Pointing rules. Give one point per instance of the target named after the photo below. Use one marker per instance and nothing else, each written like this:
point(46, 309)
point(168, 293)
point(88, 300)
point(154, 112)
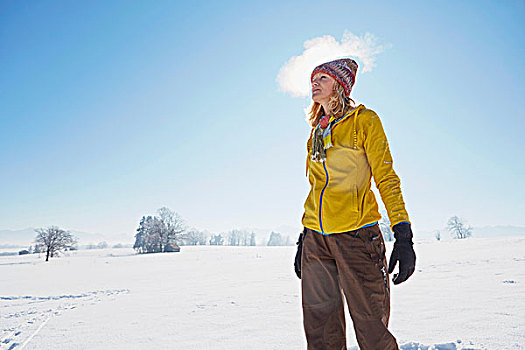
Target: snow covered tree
point(102, 245)
point(437, 234)
point(171, 227)
point(148, 238)
point(194, 237)
point(156, 233)
point(140, 236)
point(244, 237)
point(275, 239)
point(252, 239)
point(234, 237)
point(53, 240)
point(238, 237)
point(38, 249)
point(152, 242)
point(458, 229)
point(216, 240)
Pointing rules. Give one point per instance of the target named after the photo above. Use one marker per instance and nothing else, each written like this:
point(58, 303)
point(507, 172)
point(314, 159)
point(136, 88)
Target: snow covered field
point(465, 294)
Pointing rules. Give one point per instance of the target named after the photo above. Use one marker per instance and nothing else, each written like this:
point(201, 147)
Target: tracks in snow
point(22, 317)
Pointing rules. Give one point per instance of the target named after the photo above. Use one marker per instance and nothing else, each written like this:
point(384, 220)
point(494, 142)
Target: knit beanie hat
point(342, 70)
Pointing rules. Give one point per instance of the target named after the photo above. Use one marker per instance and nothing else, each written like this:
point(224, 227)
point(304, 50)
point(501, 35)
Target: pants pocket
point(374, 243)
point(377, 251)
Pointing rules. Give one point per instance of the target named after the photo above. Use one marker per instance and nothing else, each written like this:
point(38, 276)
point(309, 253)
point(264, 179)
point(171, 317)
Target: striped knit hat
point(342, 70)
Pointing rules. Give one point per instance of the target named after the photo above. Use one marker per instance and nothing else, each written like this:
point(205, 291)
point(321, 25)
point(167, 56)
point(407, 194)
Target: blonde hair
point(338, 104)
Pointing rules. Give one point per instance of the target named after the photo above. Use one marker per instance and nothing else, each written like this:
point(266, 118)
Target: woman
point(341, 248)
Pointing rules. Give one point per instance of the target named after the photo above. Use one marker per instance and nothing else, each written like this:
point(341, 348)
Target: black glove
point(297, 263)
point(402, 252)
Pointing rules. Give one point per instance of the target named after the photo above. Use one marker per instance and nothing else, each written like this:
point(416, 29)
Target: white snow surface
point(465, 294)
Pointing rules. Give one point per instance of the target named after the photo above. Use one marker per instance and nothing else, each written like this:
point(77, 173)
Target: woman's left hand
point(403, 252)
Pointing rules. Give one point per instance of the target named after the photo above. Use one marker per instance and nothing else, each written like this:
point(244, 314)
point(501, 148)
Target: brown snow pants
point(354, 263)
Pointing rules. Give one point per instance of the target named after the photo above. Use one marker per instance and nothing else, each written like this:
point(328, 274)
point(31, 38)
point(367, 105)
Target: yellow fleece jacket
point(340, 197)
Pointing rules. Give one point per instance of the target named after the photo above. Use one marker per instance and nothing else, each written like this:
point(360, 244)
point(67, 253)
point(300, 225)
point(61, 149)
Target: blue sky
point(110, 110)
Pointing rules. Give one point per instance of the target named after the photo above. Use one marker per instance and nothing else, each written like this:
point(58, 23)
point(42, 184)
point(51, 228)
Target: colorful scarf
point(322, 138)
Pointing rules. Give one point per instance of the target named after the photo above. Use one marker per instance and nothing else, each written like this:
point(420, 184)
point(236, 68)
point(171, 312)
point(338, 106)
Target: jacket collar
point(349, 113)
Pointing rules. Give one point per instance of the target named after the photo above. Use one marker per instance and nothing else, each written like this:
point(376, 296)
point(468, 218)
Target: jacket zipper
point(356, 109)
point(321, 198)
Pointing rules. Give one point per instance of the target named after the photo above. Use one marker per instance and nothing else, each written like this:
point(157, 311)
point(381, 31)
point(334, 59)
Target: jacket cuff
point(403, 232)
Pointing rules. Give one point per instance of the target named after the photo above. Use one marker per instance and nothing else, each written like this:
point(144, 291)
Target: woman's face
point(322, 87)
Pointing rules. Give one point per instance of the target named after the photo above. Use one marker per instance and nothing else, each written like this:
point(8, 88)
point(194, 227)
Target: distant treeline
point(166, 232)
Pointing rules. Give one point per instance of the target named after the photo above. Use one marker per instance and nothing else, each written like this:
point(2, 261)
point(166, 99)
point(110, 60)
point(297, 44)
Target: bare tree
point(52, 240)
point(172, 227)
point(244, 235)
point(194, 237)
point(458, 229)
point(384, 226)
point(234, 237)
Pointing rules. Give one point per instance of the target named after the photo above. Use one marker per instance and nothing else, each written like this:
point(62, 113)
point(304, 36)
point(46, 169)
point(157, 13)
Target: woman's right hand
point(298, 255)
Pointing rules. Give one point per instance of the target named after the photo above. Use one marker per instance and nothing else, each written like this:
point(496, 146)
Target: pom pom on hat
point(342, 70)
